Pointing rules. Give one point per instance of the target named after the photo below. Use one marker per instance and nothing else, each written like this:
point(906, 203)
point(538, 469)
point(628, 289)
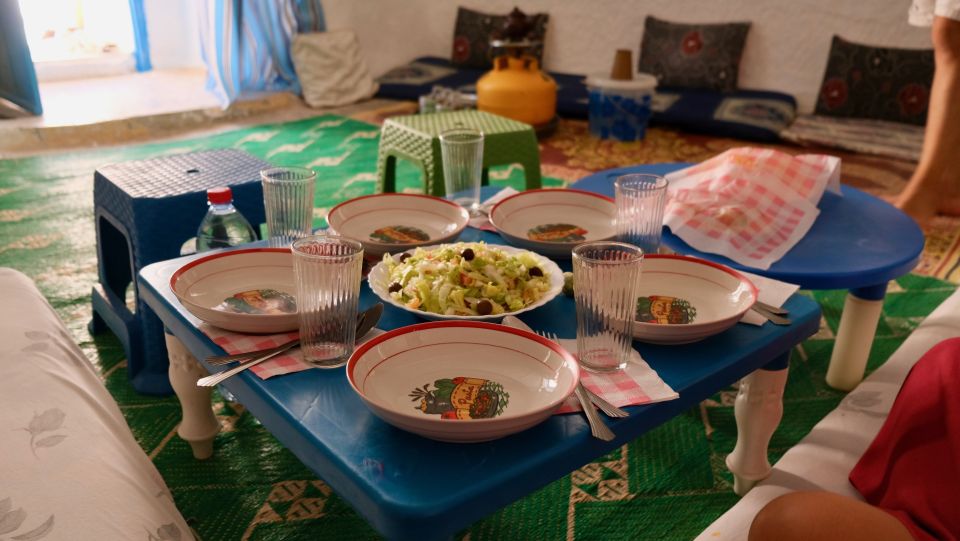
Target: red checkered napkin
point(749, 204)
point(287, 363)
point(637, 384)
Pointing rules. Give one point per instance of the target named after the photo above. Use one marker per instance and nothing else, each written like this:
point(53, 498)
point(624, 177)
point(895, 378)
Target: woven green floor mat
point(668, 484)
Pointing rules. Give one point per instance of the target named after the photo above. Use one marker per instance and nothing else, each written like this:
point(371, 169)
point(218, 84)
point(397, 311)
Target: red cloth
point(912, 468)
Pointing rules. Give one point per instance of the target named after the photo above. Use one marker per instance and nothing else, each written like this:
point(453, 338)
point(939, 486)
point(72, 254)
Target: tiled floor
point(89, 101)
point(141, 107)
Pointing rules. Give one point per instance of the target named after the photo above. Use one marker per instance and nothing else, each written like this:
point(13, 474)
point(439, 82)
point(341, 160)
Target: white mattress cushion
point(823, 459)
point(70, 467)
point(331, 68)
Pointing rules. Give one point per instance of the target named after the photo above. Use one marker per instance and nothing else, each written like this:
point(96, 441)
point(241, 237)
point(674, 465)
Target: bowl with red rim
point(462, 381)
point(394, 222)
point(552, 222)
point(250, 290)
point(685, 299)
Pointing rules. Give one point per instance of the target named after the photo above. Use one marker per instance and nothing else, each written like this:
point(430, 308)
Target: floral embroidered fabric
point(693, 55)
point(876, 82)
point(70, 467)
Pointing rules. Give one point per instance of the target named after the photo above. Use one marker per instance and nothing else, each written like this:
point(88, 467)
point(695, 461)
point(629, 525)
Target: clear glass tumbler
point(606, 280)
point(640, 202)
point(288, 201)
point(327, 271)
point(462, 151)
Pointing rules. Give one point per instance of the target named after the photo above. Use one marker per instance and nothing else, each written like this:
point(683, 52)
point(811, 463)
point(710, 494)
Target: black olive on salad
point(484, 307)
point(394, 287)
point(468, 254)
point(535, 271)
point(404, 257)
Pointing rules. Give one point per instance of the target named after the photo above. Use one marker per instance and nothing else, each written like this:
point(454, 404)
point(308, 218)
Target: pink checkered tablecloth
point(749, 204)
point(637, 384)
point(233, 343)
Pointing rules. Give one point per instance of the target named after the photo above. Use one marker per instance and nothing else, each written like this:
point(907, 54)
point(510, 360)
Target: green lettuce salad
point(466, 279)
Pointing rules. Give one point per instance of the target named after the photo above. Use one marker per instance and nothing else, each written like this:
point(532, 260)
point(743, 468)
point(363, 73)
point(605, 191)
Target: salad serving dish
point(552, 222)
point(394, 222)
point(684, 299)
point(439, 282)
point(462, 381)
point(249, 290)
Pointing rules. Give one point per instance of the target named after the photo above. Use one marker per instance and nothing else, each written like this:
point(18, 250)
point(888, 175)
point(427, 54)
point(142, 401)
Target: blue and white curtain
point(246, 43)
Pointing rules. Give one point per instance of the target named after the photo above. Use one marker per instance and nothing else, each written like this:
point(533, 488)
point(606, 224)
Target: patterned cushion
point(754, 115)
point(693, 55)
point(876, 82)
point(474, 30)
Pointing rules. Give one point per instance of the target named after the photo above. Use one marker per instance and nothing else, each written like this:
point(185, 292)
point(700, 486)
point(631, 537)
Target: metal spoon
point(773, 309)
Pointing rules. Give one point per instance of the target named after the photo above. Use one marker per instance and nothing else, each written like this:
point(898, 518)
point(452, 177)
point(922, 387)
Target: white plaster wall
point(173, 34)
point(786, 49)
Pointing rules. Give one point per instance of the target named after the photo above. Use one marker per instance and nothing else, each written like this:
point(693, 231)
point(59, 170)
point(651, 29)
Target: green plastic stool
point(416, 138)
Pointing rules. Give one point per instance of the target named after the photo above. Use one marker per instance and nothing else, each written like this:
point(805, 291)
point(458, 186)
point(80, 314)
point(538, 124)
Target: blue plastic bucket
point(620, 109)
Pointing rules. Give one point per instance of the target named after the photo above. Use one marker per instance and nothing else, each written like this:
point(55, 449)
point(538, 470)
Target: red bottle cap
point(220, 195)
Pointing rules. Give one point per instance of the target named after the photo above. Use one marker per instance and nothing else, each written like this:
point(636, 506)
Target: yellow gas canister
point(516, 88)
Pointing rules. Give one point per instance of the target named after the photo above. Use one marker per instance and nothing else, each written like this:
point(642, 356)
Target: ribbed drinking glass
point(288, 201)
point(606, 280)
point(640, 202)
point(327, 270)
point(462, 152)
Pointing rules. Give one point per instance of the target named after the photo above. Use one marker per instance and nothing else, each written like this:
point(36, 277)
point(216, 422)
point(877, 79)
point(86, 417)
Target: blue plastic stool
point(145, 210)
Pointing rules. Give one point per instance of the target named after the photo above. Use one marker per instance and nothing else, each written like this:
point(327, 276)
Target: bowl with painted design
point(553, 221)
point(248, 290)
point(685, 299)
point(462, 381)
point(396, 222)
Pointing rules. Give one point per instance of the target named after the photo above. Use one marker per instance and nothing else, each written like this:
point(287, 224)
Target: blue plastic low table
point(858, 242)
point(409, 487)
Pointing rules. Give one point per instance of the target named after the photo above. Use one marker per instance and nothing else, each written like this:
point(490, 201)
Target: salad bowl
point(394, 222)
point(381, 283)
point(462, 381)
point(684, 299)
point(552, 222)
point(249, 290)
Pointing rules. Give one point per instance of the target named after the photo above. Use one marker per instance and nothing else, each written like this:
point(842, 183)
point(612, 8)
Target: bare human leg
point(825, 516)
point(934, 187)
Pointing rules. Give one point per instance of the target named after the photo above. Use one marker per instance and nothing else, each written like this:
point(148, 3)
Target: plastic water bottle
point(223, 225)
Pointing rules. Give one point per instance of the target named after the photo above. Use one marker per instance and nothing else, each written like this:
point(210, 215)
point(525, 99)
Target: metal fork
point(771, 317)
point(214, 379)
point(599, 401)
point(220, 360)
point(773, 309)
point(597, 426)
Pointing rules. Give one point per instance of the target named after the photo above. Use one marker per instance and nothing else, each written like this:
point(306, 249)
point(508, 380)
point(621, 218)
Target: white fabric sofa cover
point(823, 459)
point(69, 465)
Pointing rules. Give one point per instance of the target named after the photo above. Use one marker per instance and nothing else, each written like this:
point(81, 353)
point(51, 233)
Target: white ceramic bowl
point(462, 381)
point(394, 222)
point(690, 299)
point(552, 222)
point(378, 279)
point(258, 280)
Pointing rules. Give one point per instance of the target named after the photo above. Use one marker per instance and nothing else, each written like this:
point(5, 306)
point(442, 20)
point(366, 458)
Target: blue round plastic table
point(858, 242)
